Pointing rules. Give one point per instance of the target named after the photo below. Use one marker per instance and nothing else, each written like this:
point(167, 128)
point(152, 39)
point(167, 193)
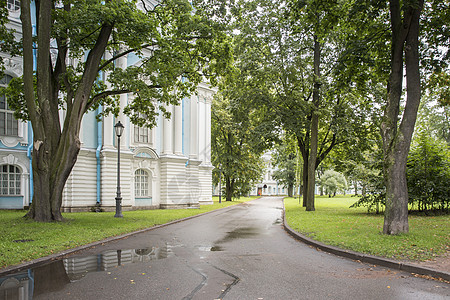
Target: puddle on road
point(54, 276)
point(210, 248)
point(240, 233)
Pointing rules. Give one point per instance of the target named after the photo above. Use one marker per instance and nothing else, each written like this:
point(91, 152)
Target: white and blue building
point(163, 167)
point(268, 186)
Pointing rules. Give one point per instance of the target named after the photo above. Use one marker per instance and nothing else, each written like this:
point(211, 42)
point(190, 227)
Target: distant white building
point(268, 186)
point(166, 166)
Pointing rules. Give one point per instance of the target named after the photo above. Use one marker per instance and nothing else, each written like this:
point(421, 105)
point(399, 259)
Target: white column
point(202, 130)
point(208, 132)
point(108, 122)
point(168, 133)
point(193, 143)
point(178, 134)
point(124, 138)
point(108, 132)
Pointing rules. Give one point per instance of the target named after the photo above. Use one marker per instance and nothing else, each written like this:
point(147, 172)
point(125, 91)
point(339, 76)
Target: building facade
point(268, 186)
point(163, 167)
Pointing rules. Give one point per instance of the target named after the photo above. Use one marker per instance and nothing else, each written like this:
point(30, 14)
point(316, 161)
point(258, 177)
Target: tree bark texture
point(397, 138)
point(291, 191)
point(229, 187)
point(314, 130)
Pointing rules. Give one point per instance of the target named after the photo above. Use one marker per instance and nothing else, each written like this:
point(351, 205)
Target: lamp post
point(119, 130)
point(220, 183)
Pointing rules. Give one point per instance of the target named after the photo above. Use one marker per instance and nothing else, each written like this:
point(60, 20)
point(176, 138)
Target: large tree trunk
point(397, 139)
point(305, 180)
point(50, 176)
point(229, 187)
point(290, 191)
point(312, 160)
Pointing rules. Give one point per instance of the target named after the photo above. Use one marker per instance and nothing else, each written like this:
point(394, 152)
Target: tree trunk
point(305, 181)
point(290, 191)
point(229, 188)
point(397, 139)
point(50, 176)
point(314, 130)
point(54, 150)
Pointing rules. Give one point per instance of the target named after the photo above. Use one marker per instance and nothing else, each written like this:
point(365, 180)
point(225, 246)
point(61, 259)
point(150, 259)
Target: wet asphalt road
point(237, 253)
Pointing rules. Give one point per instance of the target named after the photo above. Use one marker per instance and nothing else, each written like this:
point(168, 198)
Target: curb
point(46, 259)
point(365, 258)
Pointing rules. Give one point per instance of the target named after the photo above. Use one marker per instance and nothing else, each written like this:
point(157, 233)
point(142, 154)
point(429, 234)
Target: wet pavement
point(237, 253)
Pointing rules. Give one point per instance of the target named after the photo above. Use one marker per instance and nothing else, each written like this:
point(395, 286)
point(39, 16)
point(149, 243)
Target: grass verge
point(334, 223)
point(23, 240)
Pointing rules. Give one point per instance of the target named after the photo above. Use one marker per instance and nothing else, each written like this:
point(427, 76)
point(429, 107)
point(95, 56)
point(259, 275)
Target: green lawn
point(23, 240)
point(334, 223)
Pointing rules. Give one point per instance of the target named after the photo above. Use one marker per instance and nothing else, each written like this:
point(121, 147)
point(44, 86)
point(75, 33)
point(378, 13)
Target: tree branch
point(106, 63)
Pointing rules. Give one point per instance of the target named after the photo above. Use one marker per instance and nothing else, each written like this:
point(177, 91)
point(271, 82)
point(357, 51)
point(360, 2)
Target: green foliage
point(434, 114)
point(439, 84)
point(375, 201)
point(284, 157)
point(8, 42)
point(335, 224)
point(237, 142)
point(428, 173)
point(368, 173)
point(333, 182)
point(176, 47)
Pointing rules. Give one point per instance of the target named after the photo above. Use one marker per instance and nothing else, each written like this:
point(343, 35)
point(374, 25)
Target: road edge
point(365, 258)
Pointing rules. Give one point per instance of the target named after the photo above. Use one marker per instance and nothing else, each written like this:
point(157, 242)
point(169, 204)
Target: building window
point(141, 134)
point(10, 178)
point(8, 124)
point(141, 183)
point(13, 5)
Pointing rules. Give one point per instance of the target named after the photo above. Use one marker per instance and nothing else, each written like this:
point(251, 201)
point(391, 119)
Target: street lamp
point(119, 130)
point(220, 183)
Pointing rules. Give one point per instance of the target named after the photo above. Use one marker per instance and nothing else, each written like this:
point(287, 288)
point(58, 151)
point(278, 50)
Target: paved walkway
point(241, 252)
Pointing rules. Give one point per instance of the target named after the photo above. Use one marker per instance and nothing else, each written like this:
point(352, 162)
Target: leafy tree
point(75, 42)
point(413, 44)
point(285, 159)
point(236, 138)
point(284, 57)
point(434, 116)
point(333, 182)
point(396, 132)
point(428, 173)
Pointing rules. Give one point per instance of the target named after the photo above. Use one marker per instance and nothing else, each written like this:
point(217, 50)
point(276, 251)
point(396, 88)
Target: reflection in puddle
point(240, 233)
point(78, 267)
point(209, 248)
point(54, 276)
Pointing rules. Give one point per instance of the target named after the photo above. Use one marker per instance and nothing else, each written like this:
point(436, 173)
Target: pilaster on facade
point(205, 180)
point(194, 189)
point(109, 179)
point(193, 132)
point(173, 181)
point(79, 192)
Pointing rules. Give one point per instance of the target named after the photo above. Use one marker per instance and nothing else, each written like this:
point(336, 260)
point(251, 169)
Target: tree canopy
point(80, 48)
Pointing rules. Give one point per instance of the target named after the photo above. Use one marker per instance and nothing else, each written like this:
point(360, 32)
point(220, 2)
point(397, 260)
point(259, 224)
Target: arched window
point(141, 185)
point(8, 124)
point(10, 179)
